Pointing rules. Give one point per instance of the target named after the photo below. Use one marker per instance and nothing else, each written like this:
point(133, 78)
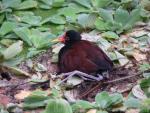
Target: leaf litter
point(128, 51)
point(43, 66)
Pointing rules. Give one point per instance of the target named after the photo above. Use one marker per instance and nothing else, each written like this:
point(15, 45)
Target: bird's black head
point(70, 37)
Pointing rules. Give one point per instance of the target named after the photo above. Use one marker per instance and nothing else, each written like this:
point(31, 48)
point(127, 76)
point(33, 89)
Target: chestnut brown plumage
point(81, 55)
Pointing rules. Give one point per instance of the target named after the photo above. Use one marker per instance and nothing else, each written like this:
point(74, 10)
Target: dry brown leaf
point(138, 33)
point(22, 95)
point(92, 111)
point(4, 100)
point(138, 55)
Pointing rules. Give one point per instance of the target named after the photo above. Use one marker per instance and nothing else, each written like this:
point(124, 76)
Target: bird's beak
point(59, 39)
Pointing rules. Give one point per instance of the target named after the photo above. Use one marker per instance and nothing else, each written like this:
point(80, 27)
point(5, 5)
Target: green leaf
point(58, 3)
point(144, 67)
point(106, 15)
point(13, 50)
point(48, 2)
point(116, 98)
point(7, 27)
point(132, 103)
point(110, 35)
point(85, 3)
point(36, 99)
point(7, 42)
point(27, 4)
point(24, 34)
point(101, 3)
point(58, 106)
point(101, 25)
point(11, 3)
point(33, 52)
point(14, 62)
point(134, 17)
point(145, 106)
point(40, 93)
point(87, 20)
point(69, 13)
point(54, 19)
point(145, 85)
point(81, 104)
point(103, 100)
point(31, 19)
point(121, 16)
point(1, 18)
point(57, 20)
point(41, 39)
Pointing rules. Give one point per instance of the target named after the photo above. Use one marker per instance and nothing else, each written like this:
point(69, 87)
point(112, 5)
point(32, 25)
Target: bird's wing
point(100, 58)
point(78, 62)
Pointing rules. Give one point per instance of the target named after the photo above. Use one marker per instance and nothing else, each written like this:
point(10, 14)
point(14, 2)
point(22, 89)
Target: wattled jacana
point(81, 55)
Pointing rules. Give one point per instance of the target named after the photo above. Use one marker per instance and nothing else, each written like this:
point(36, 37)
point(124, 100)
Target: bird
point(81, 55)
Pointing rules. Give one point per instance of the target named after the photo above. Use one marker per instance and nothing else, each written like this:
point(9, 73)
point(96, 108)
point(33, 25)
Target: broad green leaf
point(24, 33)
point(121, 16)
point(54, 19)
point(58, 106)
point(106, 15)
point(134, 17)
point(31, 19)
point(45, 13)
point(144, 67)
point(48, 2)
point(33, 52)
point(11, 36)
point(13, 50)
point(40, 39)
point(7, 42)
point(103, 100)
point(110, 35)
point(44, 6)
point(11, 3)
point(27, 4)
point(34, 101)
point(81, 104)
point(85, 3)
point(78, 8)
point(145, 106)
point(69, 13)
point(101, 25)
point(7, 27)
point(101, 3)
point(58, 3)
point(40, 93)
point(1, 18)
point(14, 62)
point(57, 20)
point(87, 20)
point(126, 1)
point(145, 85)
point(116, 98)
point(132, 103)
